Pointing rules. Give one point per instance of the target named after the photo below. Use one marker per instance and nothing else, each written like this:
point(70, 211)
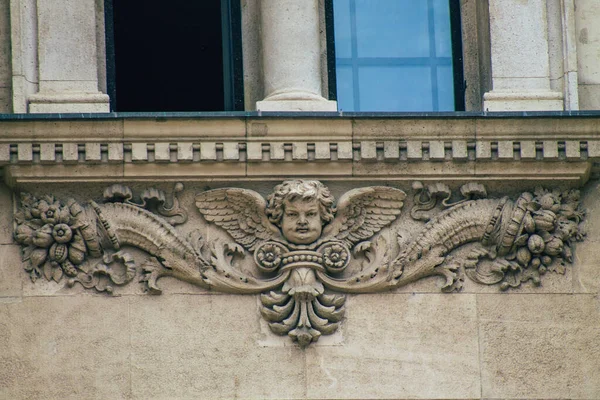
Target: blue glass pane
point(443, 37)
point(445, 89)
point(343, 31)
point(395, 89)
point(345, 88)
point(394, 55)
point(392, 28)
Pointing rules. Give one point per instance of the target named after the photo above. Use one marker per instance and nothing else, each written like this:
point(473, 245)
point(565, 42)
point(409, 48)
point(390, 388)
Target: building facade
point(271, 244)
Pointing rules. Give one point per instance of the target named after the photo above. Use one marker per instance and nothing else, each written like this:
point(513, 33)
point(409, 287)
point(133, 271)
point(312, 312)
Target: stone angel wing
point(241, 213)
point(363, 212)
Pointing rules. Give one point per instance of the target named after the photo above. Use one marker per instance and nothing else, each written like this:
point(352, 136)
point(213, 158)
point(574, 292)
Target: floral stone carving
point(307, 251)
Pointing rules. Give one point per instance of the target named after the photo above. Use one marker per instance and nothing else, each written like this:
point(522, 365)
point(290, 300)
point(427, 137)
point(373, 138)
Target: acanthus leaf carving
point(307, 252)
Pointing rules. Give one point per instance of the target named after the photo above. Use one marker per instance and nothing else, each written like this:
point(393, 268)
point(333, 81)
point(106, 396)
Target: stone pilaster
point(67, 61)
point(520, 58)
point(291, 57)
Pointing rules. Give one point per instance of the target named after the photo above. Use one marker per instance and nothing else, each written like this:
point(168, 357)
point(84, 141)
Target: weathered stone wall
point(587, 13)
point(5, 59)
point(414, 342)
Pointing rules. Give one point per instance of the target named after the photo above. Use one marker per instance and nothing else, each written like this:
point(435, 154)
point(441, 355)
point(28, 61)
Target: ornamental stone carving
point(307, 250)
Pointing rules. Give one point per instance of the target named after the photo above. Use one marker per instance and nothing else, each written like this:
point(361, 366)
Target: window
point(175, 55)
point(397, 55)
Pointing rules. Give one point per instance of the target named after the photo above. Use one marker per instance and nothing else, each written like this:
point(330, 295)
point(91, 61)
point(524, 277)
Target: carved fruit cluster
point(56, 237)
point(549, 227)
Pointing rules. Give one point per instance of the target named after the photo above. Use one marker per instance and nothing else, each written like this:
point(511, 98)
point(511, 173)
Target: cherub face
point(301, 221)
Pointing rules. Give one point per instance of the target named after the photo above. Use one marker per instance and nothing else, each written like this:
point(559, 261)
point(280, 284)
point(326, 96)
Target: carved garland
point(302, 244)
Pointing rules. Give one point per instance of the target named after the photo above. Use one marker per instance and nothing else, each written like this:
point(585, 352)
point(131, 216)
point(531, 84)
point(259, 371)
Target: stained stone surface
point(586, 277)
point(539, 346)
point(65, 348)
point(6, 225)
point(189, 347)
point(192, 342)
point(10, 271)
point(400, 346)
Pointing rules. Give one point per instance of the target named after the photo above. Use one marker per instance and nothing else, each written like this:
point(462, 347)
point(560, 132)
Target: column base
point(78, 102)
point(523, 101)
point(297, 105)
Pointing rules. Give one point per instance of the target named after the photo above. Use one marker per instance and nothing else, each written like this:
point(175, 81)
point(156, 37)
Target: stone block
point(459, 150)
point(177, 129)
point(277, 151)
point(205, 346)
point(70, 152)
point(297, 105)
point(483, 150)
point(344, 151)
point(10, 271)
point(6, 216)
point(572, 150)
point(231, 151)
point(530, 58)
point(185, 151)
point(589, 97)
point(587, 13)
point(505, 150)
point(4, 152)
point(115, 152)
point(25, 152)
point(47, 152)
point(400, 346)
point(254, 151)
point(539, 346)
point(299, 129)
point(528, 151)
point(436, 150)
point(139, 151)
point(93, 151)
point(299, 151)
point(418, 128)
point(391, 150)
point(208, 151)
point(368, 150)
point(65, 348)
point(322, 151)
point(414, 150)
point(67, 54)
point(586, 277)
point(550, 149)
point(162, 152)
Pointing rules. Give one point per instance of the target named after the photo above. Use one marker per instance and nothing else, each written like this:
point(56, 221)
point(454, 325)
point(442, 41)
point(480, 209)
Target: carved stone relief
point(308, 251)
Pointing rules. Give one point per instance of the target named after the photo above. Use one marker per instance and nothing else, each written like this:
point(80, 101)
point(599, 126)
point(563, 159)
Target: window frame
point(233, 76)
point(457, 53)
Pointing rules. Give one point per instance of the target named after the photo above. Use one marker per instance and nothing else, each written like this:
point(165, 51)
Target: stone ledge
point(399, 148)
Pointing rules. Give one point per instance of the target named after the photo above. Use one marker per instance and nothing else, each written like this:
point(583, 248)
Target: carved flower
point(269, 256)
point(335, 257)
point(53, 213)
point(56, 245)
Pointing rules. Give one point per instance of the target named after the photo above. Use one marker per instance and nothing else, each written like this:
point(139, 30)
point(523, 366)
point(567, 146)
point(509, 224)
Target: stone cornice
point(458, 147)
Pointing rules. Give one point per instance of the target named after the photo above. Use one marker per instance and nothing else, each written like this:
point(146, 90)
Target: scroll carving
point(307, 251)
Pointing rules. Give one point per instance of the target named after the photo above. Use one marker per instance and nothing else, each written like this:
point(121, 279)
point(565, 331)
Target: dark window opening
point(395, 55)
point(175, 55)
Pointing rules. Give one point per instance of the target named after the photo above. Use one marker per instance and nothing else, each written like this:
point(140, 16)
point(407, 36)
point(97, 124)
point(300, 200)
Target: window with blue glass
point(397, 55)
